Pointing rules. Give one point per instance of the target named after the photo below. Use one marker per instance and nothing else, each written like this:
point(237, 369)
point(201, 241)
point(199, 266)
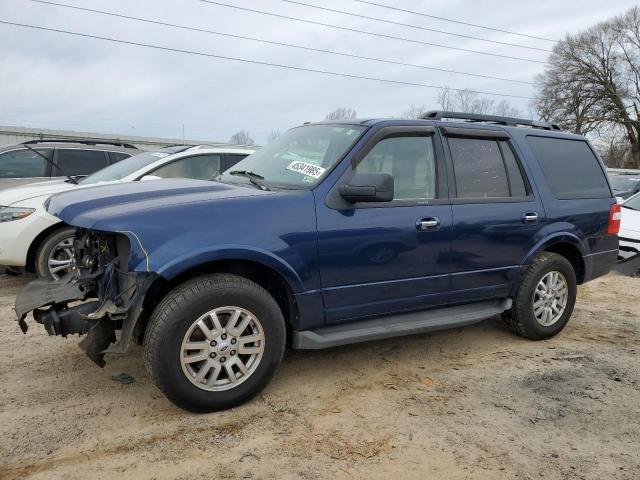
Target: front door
point(380, 258)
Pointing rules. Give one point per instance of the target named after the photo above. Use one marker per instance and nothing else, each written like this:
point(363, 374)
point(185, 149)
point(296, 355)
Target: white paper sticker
point(305, 168)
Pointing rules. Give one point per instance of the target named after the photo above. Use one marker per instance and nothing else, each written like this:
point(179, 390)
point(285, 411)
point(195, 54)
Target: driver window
point(201, 167)
point(411, 162)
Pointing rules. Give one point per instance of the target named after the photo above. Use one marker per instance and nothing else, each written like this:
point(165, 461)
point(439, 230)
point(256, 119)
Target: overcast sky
point(52, 80)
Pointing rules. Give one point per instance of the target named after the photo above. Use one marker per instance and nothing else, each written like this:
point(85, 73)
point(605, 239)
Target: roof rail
point(80, 140)
point(474, 117)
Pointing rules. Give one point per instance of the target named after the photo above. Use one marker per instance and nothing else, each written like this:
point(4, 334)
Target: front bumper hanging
point(111, 301)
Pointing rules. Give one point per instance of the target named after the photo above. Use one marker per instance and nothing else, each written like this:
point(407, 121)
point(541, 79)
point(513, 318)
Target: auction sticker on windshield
point(305, 168)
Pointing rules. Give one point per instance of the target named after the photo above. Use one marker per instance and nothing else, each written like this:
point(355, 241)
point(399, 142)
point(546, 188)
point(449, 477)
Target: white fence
point(11, 135)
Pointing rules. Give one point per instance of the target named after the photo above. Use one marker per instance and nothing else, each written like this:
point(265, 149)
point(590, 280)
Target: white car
point(32, 239)
point(630, 227)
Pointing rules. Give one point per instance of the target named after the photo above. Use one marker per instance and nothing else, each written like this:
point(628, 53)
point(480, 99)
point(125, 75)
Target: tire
point(45, 249)
point(174, 324)
point(522, 319)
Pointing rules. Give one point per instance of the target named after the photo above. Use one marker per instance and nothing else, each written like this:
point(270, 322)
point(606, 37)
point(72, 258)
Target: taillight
point(615, 215)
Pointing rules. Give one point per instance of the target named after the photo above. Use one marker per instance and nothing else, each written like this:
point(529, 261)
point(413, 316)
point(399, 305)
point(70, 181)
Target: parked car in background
point(463, 217)
point(39, 242)
point(38, 160)
point(625, 183)
point(630, 227)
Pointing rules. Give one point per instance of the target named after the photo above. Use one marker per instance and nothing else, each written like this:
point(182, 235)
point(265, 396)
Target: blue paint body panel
point(343, 264)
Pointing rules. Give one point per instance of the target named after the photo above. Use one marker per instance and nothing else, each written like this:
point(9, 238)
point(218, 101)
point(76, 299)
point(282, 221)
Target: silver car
point(39, 160)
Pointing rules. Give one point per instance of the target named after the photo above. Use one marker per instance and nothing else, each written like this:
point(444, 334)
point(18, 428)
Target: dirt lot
point(468, 403)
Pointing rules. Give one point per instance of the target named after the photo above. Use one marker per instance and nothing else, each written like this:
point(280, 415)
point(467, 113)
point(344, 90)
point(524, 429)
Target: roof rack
point(82, 141)
point(474, 117)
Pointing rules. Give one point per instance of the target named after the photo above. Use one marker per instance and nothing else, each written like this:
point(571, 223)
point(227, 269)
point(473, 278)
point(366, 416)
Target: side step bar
point(398, 325)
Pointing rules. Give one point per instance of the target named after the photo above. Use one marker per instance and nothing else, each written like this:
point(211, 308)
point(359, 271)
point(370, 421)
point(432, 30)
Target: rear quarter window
point(570, 168)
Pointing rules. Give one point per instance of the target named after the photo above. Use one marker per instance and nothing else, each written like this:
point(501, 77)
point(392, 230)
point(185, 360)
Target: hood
point(33, 190)
point(106, 207)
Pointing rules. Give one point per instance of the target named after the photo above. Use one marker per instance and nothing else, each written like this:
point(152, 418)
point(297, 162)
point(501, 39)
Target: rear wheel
point(214, 342)
point(545, 299)
point(54, 256)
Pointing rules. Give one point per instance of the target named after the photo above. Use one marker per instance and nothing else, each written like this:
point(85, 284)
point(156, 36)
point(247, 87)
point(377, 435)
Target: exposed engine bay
point(111, 296)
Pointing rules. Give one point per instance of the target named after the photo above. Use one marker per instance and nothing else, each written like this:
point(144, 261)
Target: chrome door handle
point(531, 217)
point(429, 223)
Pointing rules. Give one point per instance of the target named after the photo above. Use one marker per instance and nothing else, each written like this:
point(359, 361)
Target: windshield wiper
point(253, 177)
point(51, 162)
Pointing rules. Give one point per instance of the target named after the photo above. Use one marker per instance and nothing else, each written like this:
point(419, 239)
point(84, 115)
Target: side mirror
point(150, 177)
point(368, 187)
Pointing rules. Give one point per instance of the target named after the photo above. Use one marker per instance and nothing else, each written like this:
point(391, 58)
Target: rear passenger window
point(485, 168)
point(233, 158)
point(570, 168)
point(516, 180)
point(118, 156)
point(80, 162)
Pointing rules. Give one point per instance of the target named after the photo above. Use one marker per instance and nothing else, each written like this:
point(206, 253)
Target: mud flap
point(629, 267)
point(98, 338)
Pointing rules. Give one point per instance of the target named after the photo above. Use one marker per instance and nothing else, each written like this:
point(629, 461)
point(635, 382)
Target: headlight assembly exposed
point(9, 214)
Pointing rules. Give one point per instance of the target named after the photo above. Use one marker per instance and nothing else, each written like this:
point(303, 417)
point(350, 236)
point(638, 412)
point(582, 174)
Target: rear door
point(380, 258)
point(496, 215)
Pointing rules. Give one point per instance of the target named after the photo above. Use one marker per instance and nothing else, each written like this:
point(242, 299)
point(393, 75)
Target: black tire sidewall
point(166, 351)
point(526, 296)
point(43, 251)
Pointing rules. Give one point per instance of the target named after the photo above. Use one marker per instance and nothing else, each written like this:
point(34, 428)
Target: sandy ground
point(473, 403)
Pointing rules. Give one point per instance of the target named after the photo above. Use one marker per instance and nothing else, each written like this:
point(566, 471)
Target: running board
point(398, 325)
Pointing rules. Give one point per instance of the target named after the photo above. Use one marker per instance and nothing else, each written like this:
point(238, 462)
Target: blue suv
point(334, 233)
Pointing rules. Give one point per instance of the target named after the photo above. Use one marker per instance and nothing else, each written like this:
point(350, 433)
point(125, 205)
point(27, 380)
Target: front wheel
point(545, 299)
point(214, 342)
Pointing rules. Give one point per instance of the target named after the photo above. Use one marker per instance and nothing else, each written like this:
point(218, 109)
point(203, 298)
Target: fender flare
point(559, 237)
point(233, 252)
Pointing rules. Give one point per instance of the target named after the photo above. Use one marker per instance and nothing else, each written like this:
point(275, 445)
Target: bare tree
point(593, 80)
point(341, 113)
point(505, 109)
point(467, 101)
point(414, 111)
point(273, 135)
point(613, 145)
point(445, 99)
point(241, 138)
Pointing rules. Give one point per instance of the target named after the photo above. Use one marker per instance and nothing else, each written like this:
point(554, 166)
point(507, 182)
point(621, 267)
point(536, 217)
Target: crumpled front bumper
point(116, 307)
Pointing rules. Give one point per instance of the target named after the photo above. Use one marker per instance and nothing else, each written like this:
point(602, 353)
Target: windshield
point(128, 166)
point(633, 203)
point(297, 159)
point(624, 183)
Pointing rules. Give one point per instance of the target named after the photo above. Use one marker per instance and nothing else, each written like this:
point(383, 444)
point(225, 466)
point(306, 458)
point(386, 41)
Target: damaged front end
point(112, 296)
